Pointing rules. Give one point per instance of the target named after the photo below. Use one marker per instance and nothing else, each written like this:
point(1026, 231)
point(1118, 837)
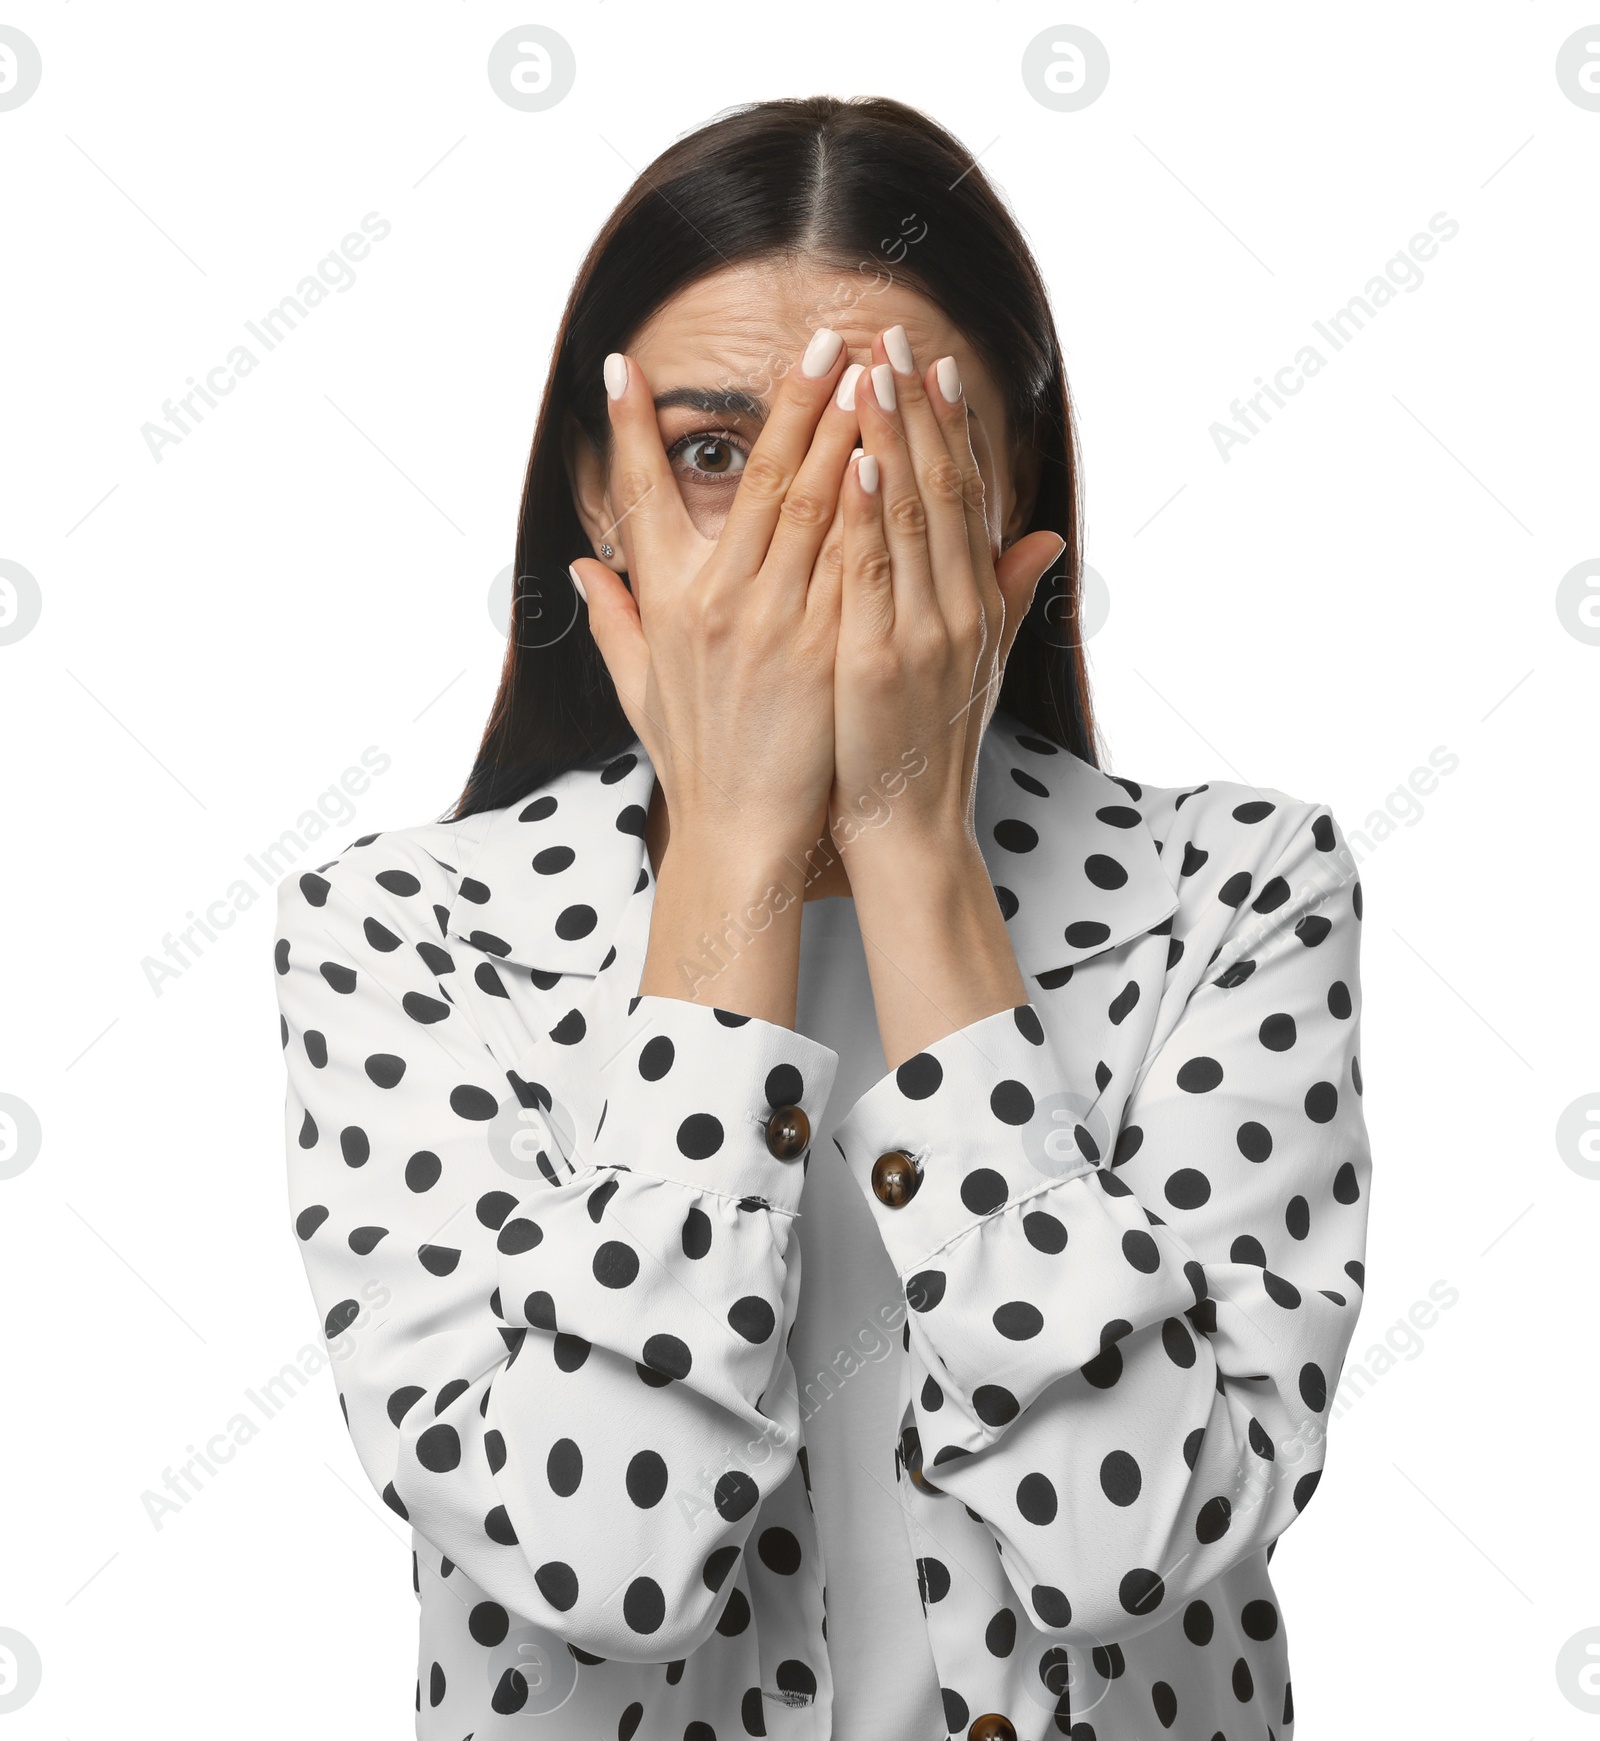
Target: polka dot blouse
point(552, 1248)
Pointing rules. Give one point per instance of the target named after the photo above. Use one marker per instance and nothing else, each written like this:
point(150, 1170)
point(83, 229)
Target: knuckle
point(945, 481)
point(874, 566)
point(907, 514)
point(633, 485)
point(764, 477)
point(804, 507)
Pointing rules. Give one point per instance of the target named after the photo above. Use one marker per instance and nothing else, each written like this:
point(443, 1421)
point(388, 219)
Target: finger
point(779, 452)
point(867, 596)
point(1018, 574)
point(902, 513)
point(613, 614)
point(652, 522)
point(947, 397)
point(808, 515)
point(941, 483)
point(827, 571)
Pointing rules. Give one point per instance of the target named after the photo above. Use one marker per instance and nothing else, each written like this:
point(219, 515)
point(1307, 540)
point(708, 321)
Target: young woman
point(787, 847)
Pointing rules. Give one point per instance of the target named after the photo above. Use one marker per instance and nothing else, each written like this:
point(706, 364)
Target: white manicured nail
point(616, 374)
point(949, 379)
point(572, 570)
point(845, 398)
point(898, 346)
point(856, 452)
point(883, 385)
point(821, 353)
point(867, 471)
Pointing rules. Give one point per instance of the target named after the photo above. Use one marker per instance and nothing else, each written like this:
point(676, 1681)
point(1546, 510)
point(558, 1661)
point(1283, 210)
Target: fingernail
point(949, 379)
point(867, 471)
point(898, 346)
point(821, 353)
point(883, 385)
point(573, 571)
point(616, 374)
point(845, 398)
point(856, 452)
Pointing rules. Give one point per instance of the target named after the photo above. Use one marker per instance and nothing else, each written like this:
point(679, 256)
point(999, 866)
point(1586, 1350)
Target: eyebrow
point(723, 402)
point(727, 403)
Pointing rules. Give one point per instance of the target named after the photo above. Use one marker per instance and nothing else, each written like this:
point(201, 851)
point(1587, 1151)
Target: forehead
point(744, 325)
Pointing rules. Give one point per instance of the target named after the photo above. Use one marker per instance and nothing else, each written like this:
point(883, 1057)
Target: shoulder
point(1245, 846)
point(410, 876)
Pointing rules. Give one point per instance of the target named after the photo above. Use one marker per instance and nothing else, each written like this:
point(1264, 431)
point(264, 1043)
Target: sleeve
point(1132, 1400)
point(576, 1388)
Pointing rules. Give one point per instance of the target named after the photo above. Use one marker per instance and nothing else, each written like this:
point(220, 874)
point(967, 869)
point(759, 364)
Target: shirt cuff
point(987, 1119)
point(689, 1093)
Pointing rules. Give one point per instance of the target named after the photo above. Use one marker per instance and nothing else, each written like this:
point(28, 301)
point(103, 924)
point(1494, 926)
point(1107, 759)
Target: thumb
point(1018, 573)
point(614, 622)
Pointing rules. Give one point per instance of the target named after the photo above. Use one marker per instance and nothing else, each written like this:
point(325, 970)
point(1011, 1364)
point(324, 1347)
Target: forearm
point(725, 929)
point(936, 945)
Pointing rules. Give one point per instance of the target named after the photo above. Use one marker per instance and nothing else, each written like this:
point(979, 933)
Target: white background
point(1369, 579)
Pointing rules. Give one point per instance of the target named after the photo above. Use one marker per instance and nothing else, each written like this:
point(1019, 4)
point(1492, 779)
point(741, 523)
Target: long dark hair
point(869, 185)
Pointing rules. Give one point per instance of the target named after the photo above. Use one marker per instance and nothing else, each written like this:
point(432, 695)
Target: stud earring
point(606, 550)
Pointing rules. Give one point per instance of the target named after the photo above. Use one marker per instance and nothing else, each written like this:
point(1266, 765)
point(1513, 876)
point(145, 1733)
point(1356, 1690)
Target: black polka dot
point(1044, 1232)
point(488, 1623)
point(616, 1265)
point(1277, 1032)
point(919, 1076)
point(558, 1584)
point(1011, 1102)
point(564, 1468)
point(1036, 1498)
point(646, 1479)
point(735, 1496)
point(983, 1190)
point(993, 1404)
point(752, 1318)
point(1199, 1075)
point(696, 1233)
point(667, 1355)
point(1259, 1619)
point(1018, 1320)
point(785, 1086)
point(644, 1606)
point(779, 1550)
point(655, 1057)
point(1120, 1478)
point(474, 1103)
point(925, 1290)
point(1141, 1591)
point(1051, 1605)
point(700, 1136)
point(1188, 1188)
point(1104, 872)
point(439, 1449)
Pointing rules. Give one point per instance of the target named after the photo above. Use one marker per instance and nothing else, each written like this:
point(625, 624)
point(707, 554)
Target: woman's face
point(715, 354)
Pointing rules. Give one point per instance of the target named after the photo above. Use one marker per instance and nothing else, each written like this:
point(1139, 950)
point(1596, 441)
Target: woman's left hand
point(929, 608)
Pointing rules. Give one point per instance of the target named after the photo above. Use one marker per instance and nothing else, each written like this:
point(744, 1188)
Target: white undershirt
point(885, 1685)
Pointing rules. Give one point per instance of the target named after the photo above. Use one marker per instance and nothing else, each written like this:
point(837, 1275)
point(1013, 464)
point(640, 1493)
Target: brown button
point(992, 1727)
point(788, 1132)
point(895, 1179)
point(911, 1461)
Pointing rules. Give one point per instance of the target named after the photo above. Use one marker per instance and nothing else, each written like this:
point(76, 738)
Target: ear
point(586, 470)
point(1024, 490)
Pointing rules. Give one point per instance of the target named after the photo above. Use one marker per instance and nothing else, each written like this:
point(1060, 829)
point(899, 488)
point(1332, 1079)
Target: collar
point(1074, 865)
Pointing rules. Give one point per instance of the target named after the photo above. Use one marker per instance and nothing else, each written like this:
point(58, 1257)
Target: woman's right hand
point(722, 653)
point(723, 656)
